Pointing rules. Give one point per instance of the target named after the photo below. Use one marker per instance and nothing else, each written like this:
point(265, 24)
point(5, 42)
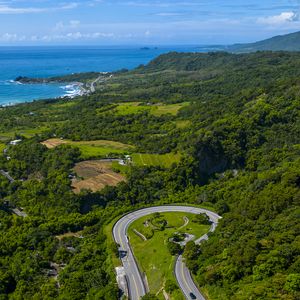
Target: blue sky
point(144, 22)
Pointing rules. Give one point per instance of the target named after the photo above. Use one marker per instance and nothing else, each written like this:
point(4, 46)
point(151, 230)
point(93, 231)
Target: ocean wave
point(71, 90)
point(10, 82)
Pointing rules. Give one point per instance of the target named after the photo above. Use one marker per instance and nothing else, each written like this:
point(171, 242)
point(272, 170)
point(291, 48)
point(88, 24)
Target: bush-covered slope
point(239, 143)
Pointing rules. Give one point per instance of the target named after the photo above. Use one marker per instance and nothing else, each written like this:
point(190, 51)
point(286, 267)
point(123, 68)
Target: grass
point(158, 110)
point(123, 169)
point(182, 124)
point(153, 255)
point(2, 147)
point(64, 104)
point(163, 160)
point(172, 109)
point(129, 108)
point(93, 149)
point(27, 132)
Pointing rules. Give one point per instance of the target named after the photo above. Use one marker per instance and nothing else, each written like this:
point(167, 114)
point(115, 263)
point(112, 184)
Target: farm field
point(129, 108)
point(163, 160)
point(155, 109)
point(182, 123)
point(153, 255)
point(28, 133)
point(94, 175)
point(172, 109)
point(92, 149)
point(2, 147)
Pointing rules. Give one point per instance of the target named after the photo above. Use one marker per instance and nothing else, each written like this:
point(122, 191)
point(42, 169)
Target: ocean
point(56, 61)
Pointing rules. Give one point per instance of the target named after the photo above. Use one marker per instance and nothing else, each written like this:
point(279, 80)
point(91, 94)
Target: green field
point(27, 132)
point(2, 147)
point(163, 160)
point(93, 149)
point(182, 124)
point(172, 109)
point(155, 109)
point(131, 108)
point(152, 255)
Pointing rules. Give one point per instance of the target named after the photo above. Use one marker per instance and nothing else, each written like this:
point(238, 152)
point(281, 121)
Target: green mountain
point(220, 130)
point(288, 42)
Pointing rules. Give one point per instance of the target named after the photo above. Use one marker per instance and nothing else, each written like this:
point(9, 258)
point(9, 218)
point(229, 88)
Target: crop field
point(155, 109)
point(171, 109)
point(182, 124)
point(2, 147)
point(94, 175)
point(27, 132)
point(153, 255)
point(90, 149)
point(163, 160)
point(131, 108)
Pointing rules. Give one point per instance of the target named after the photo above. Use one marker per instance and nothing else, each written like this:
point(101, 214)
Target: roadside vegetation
point(150, 238)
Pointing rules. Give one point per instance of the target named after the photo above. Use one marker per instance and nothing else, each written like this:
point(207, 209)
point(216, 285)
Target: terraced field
point(26, 132)
point(94, 175)
point(155, 109)
point(92, 149)
point(2, 147)
point(163, 160)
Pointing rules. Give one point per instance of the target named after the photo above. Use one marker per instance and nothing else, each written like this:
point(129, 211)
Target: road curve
point(136, 282)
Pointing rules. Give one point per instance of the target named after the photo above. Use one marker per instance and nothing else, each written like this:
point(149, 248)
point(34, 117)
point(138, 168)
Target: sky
point(145, 22)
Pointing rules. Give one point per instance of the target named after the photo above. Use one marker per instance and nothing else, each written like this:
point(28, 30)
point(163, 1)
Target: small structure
point(122, 280)
point(15, 142)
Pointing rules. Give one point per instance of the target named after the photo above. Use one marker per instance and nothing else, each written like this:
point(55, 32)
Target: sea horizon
point(49, 61)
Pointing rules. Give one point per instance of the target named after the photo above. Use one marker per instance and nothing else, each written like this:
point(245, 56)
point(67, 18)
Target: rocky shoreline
point(81, 80)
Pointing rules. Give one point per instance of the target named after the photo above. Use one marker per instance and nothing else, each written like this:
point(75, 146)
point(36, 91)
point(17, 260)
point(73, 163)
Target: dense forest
point(239, 139)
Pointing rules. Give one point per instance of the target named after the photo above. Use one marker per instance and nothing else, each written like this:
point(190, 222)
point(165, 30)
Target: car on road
point(122, 253)
point(193, 296)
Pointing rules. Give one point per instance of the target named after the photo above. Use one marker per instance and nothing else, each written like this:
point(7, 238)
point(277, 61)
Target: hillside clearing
point(2, 147)
point(95, 175)
point(158, 110)
point(92, 149)
point(162, 160)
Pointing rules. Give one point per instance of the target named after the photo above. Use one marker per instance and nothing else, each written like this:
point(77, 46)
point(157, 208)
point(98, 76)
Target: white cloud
point(61, 26)
point(12, 37)
point(74, 23)
point(7, 9)
point(168, 14)
point(284, 17)
point(67, 37)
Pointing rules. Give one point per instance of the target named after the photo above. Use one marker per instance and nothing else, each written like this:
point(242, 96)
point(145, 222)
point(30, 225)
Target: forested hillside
point(287, 42)
point(231, 121)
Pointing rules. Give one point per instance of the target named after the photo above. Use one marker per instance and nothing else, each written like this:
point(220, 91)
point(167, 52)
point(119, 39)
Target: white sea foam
point(71, 90)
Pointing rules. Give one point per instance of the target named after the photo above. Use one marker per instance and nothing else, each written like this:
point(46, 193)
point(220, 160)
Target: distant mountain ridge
point(288, 42)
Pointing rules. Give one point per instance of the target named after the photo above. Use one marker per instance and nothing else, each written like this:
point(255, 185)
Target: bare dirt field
point(52, 143)
point(95, 175)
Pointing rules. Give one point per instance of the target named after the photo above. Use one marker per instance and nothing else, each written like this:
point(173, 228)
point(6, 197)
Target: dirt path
point(186, 221)
point(140, 234)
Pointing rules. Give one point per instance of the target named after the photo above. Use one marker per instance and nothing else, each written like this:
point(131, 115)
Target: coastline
point(70, 90)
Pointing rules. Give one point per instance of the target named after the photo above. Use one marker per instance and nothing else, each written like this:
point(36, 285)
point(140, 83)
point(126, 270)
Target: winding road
point(137, 284)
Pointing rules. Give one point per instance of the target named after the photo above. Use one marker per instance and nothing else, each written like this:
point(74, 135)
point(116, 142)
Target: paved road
point(5, 174)
point(136, 281)
point(93, 89)
point(185, 281)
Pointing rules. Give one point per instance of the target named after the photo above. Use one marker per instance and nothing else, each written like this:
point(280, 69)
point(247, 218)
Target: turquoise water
point(55, 61)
